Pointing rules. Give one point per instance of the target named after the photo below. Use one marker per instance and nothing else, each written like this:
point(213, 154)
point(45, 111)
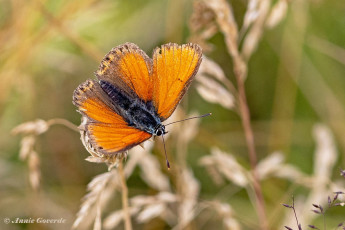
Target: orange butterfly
point(134, 94)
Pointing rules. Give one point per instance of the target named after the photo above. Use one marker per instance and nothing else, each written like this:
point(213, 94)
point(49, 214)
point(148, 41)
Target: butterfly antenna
point(205, 115)
point(165, 151)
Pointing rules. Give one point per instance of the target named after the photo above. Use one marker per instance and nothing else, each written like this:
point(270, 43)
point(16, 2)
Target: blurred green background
point(296, 79)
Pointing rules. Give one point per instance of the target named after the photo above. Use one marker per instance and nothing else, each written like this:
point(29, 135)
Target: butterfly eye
point(160, 130)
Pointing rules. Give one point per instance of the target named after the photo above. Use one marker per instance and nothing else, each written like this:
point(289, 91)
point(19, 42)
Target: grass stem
point(125, 206)
point(245, 116)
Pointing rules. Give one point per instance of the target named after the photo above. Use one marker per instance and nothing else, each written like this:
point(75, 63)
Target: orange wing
point(129, 68)
point(174, 68)
point(107, 132)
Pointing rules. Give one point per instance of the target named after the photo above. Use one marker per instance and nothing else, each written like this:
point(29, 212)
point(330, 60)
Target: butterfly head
point(160, 130)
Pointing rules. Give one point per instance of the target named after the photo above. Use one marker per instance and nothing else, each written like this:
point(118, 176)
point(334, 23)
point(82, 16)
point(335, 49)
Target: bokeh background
point(295, 88)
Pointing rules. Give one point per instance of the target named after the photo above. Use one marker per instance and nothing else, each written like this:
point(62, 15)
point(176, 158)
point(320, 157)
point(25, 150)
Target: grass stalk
point(245, 117)
point(125, 206)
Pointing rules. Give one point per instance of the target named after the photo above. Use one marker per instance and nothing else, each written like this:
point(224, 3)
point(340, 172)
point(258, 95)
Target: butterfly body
point(133, 95)
point(137, 113)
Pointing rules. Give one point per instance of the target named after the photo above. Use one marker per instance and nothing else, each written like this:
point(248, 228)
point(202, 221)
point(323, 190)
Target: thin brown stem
point(60, 121)
point(245, 116)
point(294, 211)
point(125, 206)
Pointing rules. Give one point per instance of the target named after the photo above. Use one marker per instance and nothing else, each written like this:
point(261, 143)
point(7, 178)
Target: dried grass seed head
point(32, 127)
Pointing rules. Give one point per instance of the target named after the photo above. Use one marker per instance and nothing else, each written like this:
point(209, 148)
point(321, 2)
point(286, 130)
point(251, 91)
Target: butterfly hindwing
point(114, 138)
point(174, 68)
point(106, 130)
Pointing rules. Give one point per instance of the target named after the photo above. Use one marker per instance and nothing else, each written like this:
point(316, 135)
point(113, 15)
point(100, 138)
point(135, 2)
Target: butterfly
point(133, 94)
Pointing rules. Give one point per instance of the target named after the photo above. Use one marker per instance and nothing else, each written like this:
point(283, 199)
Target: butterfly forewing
point(129, 68)
point(174, 68)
